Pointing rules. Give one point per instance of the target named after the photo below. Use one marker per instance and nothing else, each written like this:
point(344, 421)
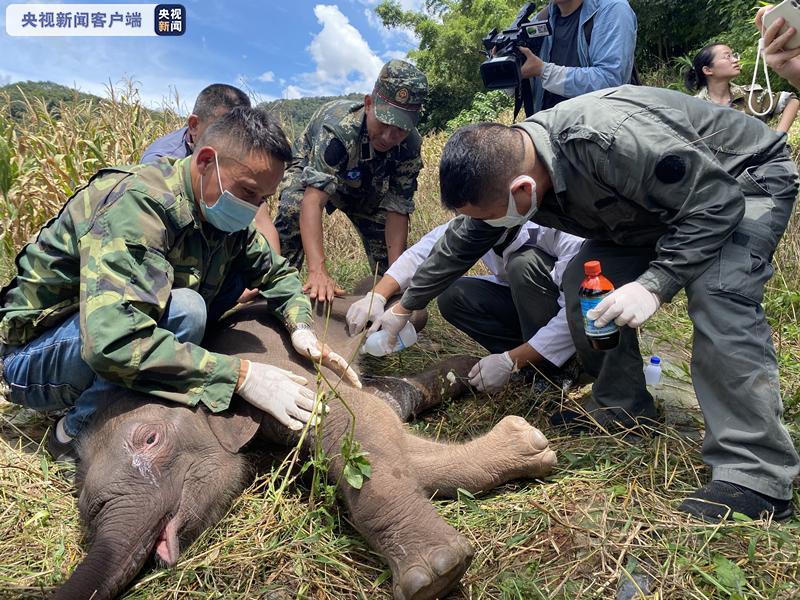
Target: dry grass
point(606, 514)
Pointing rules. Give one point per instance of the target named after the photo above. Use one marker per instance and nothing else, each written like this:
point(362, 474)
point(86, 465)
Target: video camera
point(502, 69)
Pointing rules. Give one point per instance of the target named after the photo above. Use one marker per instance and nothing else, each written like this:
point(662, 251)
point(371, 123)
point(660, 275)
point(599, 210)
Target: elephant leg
point(427, 556)
point(411, 396)
point(513, 449)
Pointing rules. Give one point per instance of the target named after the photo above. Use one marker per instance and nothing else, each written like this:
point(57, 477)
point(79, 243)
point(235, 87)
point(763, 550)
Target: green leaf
point(353, 476)
point(730, 575)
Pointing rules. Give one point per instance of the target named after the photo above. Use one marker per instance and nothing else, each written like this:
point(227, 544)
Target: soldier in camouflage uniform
point(672, 193)
point(116, 290)
point(360, 158)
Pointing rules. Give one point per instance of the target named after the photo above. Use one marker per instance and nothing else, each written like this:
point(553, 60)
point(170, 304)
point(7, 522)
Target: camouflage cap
point(399, 92)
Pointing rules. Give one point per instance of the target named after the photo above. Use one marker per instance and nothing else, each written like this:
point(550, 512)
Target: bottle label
point(588, 304)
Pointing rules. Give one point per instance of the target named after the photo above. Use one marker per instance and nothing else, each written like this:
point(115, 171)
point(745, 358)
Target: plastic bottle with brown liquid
point(593, 289)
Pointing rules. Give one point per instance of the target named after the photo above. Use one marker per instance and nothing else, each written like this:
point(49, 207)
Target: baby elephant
point(153, 476)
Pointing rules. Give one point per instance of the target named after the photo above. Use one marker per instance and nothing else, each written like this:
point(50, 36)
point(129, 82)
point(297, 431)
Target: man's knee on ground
point(523, 269)
point(186, 315)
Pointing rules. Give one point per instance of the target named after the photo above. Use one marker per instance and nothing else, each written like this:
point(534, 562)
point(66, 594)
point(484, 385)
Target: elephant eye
point(151, 439)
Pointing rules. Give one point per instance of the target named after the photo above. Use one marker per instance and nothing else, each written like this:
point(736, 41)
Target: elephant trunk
point(110, 565)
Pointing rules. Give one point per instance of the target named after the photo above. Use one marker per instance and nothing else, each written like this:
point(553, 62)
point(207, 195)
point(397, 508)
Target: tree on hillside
point(295, 113)
point(450, 34)
point(53, 94)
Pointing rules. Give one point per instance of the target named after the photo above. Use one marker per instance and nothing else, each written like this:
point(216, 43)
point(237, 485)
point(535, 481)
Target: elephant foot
point(433, 572)
point(526, 448)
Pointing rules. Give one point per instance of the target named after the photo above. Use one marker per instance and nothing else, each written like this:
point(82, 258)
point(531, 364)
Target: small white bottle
point(374, 344)
point(652, 372)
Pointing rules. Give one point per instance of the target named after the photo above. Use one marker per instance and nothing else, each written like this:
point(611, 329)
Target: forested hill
point(294, 113)
point(297, 112)
point(51, 93)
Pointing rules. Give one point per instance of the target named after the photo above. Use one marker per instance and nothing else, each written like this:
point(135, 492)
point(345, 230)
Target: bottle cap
point(654, 360)
point(592, 268)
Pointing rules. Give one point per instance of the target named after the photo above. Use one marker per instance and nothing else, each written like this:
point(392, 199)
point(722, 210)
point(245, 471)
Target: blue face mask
point(228, 213)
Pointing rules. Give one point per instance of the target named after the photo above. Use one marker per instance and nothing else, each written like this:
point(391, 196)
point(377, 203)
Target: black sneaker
point(63, 453)
point(718, 500)
point(580, 423)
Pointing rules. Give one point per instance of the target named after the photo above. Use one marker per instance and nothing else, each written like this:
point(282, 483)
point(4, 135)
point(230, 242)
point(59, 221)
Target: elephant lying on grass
point(153, 476)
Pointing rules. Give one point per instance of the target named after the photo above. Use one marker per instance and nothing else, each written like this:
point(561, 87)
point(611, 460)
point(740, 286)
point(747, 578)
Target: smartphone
point(790, 11)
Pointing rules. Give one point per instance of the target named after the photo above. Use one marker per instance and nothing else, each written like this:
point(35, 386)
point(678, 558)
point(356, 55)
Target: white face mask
point(512, 217)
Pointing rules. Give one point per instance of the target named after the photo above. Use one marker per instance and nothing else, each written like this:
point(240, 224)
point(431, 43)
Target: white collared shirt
point(553, 341)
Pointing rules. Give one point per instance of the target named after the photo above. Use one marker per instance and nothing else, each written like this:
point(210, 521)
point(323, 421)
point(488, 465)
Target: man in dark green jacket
point(116, 290)
point(672, 193)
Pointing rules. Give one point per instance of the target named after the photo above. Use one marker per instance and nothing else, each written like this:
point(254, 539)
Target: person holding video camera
point(591, 48)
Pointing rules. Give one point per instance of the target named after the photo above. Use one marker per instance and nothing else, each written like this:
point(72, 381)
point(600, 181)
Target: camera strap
point(760, 58)
point(523, 98)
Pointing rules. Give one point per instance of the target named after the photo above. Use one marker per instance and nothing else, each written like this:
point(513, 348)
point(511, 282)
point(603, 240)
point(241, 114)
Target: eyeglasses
point(731, 56)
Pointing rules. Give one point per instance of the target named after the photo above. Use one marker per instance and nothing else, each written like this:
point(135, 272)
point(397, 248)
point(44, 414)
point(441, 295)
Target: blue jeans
point(48, 373)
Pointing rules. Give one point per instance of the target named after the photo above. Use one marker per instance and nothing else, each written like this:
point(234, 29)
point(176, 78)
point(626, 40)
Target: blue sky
point(285, 49)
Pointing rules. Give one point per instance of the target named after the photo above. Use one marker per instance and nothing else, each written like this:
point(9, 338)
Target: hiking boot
point(63, 453)
point(718, 500)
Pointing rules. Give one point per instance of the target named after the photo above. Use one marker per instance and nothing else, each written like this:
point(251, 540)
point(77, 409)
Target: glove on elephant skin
point(153, 475)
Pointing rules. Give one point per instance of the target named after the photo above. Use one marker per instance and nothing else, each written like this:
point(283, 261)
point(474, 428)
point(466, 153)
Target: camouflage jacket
point(114, 252)
point(635, 166)
point(761, 100)
point(334, 155)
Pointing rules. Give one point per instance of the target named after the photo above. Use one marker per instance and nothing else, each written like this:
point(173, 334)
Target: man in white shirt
point(517, 313)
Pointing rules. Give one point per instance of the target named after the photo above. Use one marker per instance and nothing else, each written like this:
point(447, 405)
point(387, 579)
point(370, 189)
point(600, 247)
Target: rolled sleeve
point(554, 340)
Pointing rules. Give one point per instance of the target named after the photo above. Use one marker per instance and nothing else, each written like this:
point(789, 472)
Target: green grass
point(606, 514)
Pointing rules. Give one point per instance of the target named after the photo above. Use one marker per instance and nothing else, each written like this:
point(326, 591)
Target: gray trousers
point(502, 317)
point(734, 366)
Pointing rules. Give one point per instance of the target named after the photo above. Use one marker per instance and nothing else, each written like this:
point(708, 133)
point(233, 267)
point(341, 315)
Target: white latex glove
point(279, 393)
point(492, 372)
point(630, 305)
point(306, 343)
point(368, 308)
point(390, 322)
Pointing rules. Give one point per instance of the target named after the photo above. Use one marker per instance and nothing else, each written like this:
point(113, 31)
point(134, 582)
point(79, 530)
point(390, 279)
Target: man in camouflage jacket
point(360, 158)
point(118, 287)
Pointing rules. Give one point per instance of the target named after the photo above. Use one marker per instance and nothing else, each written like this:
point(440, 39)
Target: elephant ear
point(237, 425)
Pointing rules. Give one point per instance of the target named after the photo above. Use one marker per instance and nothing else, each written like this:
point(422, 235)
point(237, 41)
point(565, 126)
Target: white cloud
point(291, 92)
point(341, 53)
point(344, 61)
point(395, 54)
point(397, 35)
point(266, 77)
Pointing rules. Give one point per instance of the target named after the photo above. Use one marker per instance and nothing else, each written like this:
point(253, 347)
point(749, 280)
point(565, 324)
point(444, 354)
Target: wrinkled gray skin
point(154, 475)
